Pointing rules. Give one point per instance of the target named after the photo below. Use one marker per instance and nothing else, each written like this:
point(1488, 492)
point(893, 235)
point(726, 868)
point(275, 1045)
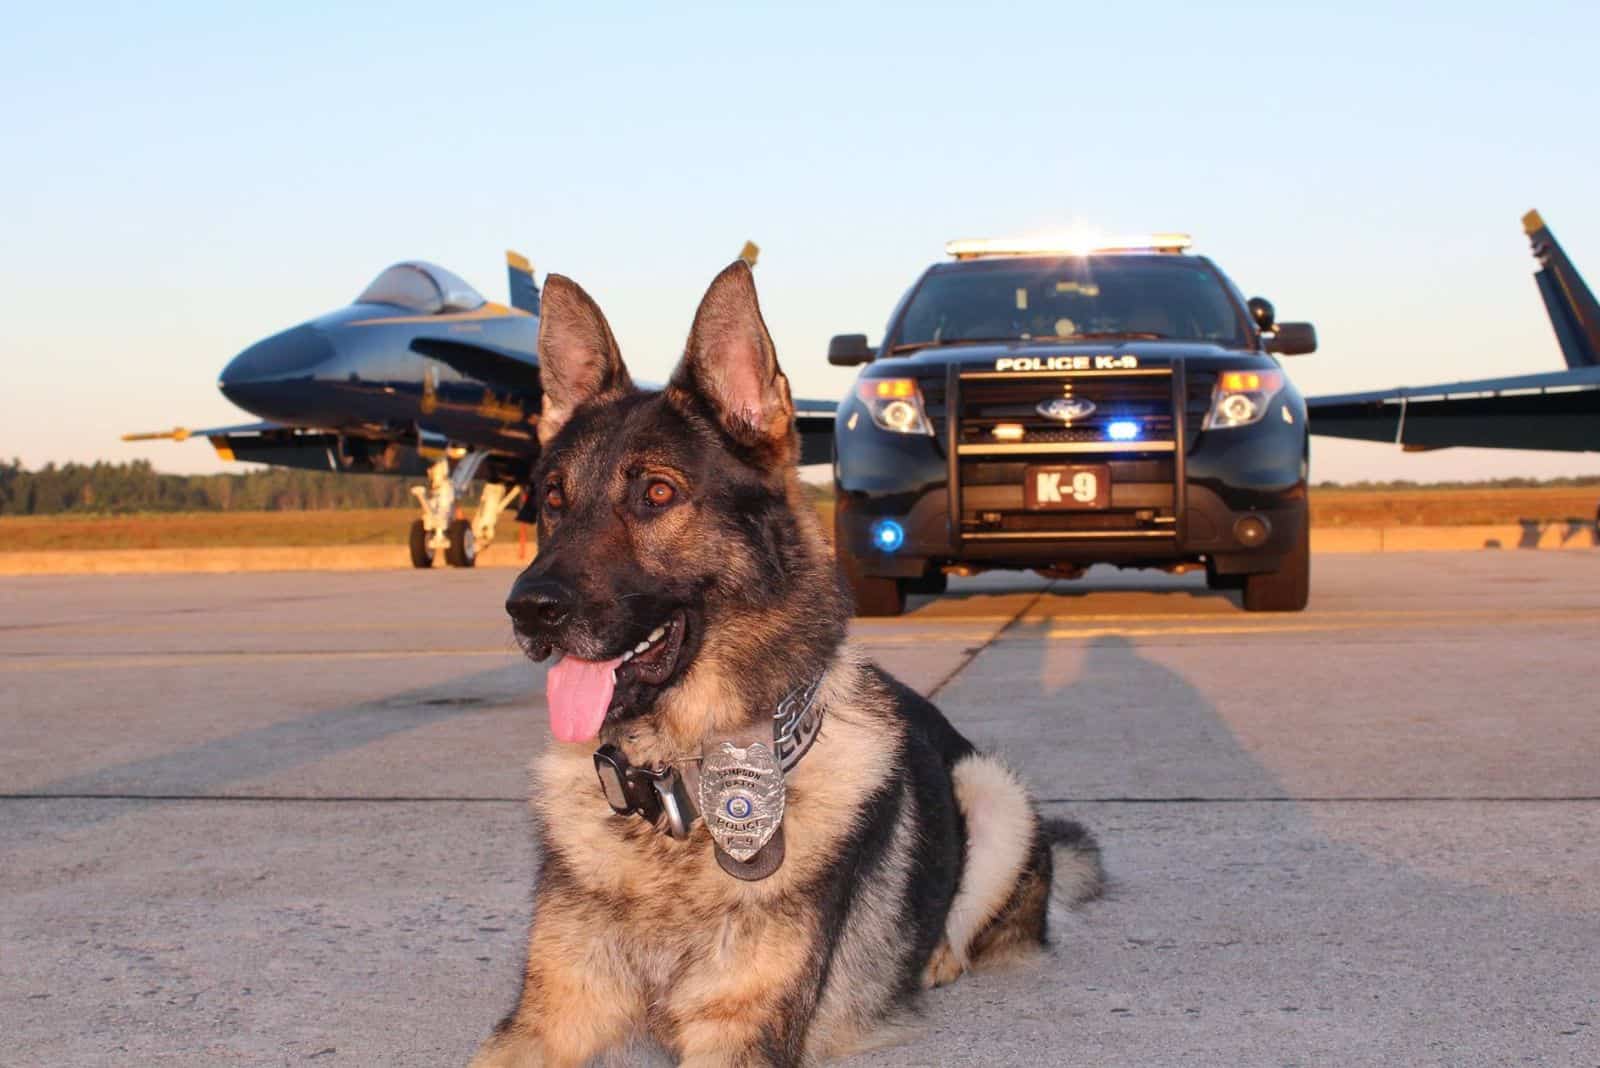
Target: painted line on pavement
point(501, 799)
point(1412, 621)
point(167, 660)
point(1010, 631)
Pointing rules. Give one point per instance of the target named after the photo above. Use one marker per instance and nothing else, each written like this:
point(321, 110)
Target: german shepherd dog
point(685, 581)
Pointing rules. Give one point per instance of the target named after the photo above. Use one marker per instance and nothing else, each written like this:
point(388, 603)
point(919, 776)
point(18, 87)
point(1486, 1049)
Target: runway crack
point(972, 654)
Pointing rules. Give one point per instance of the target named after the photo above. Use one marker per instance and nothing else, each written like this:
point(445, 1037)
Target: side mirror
point(1292, 339)
point(1262, 312)
point(849, 350)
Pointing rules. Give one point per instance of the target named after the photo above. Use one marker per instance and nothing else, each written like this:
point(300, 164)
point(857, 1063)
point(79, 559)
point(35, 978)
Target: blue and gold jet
point(420, 376)
point(1558, 410)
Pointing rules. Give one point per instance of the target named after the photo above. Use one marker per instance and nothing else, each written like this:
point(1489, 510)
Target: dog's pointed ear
point(731, 366)
point(579, 360)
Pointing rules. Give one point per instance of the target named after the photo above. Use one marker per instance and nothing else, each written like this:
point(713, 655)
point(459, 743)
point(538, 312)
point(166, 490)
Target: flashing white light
point(1068, 244)
point(1122, 430)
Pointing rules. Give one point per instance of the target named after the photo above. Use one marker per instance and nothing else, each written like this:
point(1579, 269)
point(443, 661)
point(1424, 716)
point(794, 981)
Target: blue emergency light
point(1122, 430)
point(887, 535)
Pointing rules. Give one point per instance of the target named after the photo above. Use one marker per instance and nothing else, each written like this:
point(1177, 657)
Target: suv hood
point(1115, 353)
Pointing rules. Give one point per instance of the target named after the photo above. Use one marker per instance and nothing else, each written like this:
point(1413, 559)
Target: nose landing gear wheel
point(421, 552)
point(463, 550)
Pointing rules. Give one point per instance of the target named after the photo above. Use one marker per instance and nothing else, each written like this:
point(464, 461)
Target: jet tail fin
point(519, 276)
point(1572, 308)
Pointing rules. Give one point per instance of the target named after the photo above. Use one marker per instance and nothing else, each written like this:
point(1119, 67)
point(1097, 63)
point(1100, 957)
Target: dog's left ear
point(731, 366)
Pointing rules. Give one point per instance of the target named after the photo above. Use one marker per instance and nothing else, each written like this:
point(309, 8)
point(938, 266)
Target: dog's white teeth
point(613, 676)
point(641, 647)
point(627, 656)
point(657, 634)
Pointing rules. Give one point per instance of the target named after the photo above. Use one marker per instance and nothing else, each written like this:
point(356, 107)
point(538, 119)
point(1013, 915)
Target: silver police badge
point(741, 797)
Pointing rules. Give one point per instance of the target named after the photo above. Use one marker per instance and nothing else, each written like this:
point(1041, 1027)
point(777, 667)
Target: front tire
point(463, 550)
point(421, 551)
point(1288, 588)
point(877, 596)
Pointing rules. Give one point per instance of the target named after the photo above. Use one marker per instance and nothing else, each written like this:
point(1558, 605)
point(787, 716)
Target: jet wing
point(814, 420)
point(262, 443)
point(182, 433)
point(1557, 411)
point(488, 364)
point(306, 448)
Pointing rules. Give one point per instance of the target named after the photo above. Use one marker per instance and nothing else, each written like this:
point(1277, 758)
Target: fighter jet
point(1557, 410)
point(420, 375)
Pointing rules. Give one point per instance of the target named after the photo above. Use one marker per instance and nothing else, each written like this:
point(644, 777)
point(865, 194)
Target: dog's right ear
point(579, 361)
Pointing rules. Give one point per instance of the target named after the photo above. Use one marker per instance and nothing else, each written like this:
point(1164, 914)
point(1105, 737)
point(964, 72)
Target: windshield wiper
point(1092, 335)
point(1101, 335)
point(912, 346)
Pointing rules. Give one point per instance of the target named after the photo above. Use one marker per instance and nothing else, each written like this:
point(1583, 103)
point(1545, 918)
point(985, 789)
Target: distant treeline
point(1573, 482)
point(138, 487)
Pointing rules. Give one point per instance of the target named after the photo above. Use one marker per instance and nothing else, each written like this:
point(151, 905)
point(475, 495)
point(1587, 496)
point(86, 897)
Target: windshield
point(423, 288)
point(1078, 297)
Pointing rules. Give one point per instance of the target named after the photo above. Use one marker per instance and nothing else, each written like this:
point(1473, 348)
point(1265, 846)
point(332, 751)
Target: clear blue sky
point(182, 179)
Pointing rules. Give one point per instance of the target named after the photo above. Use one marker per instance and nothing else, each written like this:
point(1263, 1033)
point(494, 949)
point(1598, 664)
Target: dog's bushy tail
point(1078, 874)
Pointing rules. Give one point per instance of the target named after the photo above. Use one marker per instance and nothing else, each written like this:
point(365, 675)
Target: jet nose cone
point(257, 375)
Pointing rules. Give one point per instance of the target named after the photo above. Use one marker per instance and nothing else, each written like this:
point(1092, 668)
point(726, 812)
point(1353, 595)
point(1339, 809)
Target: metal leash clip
point(659, 796)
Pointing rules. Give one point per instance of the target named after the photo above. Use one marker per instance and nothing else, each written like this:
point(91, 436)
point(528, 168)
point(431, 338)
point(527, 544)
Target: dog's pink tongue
point(578, 693)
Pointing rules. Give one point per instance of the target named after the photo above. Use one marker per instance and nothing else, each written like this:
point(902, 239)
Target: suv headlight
point(1242, 398)
point(895, 405)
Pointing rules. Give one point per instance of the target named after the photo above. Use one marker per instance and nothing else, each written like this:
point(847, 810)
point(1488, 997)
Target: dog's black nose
point(538, 603)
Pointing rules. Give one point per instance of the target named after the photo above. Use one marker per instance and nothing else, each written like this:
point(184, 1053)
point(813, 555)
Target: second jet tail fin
point(519, 276)
point(1572, 308)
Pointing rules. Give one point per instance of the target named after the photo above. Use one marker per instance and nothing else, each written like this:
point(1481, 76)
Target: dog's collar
point(796, 724)
point(666, 798)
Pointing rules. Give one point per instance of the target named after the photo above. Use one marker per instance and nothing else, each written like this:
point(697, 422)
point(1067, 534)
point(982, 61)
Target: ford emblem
point(1066, 409)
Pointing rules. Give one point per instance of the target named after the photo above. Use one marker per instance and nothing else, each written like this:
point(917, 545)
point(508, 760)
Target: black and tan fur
point(910, 856)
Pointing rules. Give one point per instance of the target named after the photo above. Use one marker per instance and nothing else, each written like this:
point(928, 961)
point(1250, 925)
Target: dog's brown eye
point(659, 493)
point(554, 499)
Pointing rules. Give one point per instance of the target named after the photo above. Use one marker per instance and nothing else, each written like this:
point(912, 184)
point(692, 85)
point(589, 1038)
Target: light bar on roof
point(969, 248)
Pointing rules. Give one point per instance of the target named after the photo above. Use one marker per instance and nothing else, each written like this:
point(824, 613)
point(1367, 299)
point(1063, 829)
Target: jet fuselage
point(355, 371)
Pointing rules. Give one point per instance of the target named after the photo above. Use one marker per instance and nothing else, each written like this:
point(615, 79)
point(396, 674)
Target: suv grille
point(1144, 400)
point(988, 471)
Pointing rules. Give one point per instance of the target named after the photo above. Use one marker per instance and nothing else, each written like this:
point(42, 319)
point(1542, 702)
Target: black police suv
point(1035, 408)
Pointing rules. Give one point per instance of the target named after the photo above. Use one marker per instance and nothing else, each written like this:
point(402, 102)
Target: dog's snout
point(539, 604)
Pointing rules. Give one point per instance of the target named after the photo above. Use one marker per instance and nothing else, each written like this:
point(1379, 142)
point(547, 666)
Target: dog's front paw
point(943, 967)
point(506, 1050)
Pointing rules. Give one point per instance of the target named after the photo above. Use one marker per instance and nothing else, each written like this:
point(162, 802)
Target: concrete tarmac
point(273, 819)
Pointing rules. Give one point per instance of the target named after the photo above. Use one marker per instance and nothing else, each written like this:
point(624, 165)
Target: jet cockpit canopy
point(424, 288)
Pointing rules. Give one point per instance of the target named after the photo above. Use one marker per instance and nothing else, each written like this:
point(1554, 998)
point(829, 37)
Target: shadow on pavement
point(1100, 581)
point(1243, 926)
point(253, 754)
